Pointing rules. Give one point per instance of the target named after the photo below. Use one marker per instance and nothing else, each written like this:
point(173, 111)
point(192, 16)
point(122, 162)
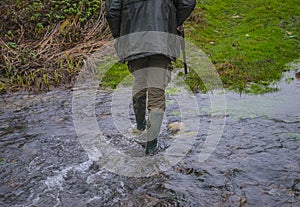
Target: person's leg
point(159, 75)
point(139, 91)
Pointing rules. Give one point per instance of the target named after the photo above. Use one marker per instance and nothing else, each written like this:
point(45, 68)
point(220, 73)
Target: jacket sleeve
point(184, 9)
point(113, 16)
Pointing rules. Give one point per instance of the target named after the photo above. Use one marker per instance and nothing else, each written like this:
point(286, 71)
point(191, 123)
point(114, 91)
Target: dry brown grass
point(30, 62)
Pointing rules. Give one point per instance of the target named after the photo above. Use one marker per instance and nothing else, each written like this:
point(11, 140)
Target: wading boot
point(153, 129)
point(139, 107)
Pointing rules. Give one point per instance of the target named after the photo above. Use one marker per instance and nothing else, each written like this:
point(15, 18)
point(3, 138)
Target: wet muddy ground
point(256, 162)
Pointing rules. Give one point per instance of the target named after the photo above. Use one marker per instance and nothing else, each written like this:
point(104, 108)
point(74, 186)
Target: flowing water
point(256, 162)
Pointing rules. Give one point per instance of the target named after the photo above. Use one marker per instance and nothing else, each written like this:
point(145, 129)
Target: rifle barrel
point(183, 49)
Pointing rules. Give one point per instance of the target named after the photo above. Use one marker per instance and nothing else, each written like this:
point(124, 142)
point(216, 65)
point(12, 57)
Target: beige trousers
point(151, 77)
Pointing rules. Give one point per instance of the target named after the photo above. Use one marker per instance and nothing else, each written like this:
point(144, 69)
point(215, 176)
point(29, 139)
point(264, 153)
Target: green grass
point(248, 41)
point(115, 75)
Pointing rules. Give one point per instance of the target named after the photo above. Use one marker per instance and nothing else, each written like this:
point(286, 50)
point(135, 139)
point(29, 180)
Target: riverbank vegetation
point(249, 42)
point(44, 43)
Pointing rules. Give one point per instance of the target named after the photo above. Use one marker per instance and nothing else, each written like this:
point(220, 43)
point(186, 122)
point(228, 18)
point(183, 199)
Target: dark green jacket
point(147, 27)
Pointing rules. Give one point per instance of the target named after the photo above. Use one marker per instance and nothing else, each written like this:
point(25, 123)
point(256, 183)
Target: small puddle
point(282, 105)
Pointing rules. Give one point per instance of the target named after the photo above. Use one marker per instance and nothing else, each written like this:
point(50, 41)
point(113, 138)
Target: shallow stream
point(256, 162)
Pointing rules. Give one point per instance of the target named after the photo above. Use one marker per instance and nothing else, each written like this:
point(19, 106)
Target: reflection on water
point(282, 105)
point(256, 162)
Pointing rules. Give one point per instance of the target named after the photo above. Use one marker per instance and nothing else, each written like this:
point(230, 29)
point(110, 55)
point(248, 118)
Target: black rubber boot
point(153, 129)
point(151, 146)
point(139, 107)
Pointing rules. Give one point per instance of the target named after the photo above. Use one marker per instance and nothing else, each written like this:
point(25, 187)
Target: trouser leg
point(159, 76)
point(139, 92)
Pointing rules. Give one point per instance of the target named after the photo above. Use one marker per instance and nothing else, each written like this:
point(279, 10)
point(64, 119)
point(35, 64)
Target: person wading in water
point(145, 33)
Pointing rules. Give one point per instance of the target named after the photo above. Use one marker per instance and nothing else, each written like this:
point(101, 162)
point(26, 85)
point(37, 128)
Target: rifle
point(181, 33)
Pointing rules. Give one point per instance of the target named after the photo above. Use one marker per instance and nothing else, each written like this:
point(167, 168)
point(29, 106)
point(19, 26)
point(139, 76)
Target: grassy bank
point(248, 41)
point(43, 44)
